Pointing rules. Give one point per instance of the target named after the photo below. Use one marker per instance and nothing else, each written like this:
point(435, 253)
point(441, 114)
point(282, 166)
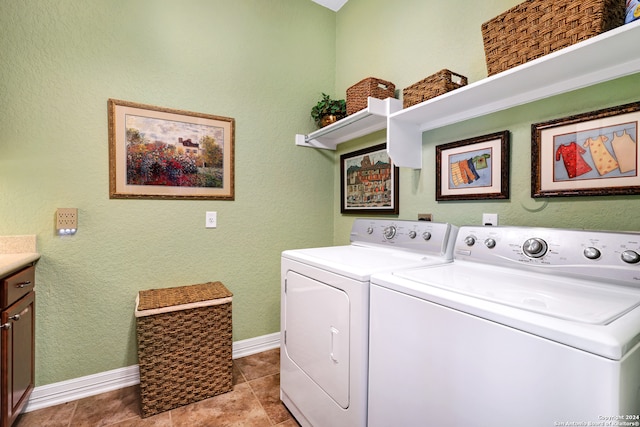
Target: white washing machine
point(527, 326)
point(325, 314)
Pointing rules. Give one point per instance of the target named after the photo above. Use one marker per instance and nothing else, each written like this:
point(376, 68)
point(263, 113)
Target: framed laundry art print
point(591, 154)
point(162, 153)
point(368, 182)
point(473, 169)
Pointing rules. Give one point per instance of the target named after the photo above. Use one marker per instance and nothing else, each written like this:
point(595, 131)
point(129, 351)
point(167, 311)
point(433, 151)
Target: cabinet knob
point(5, 326)
point(23, 284)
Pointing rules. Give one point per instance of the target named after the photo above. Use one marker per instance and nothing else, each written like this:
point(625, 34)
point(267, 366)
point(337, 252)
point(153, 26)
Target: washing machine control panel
point(584, 253)
point(420, 236)
point(535, 247)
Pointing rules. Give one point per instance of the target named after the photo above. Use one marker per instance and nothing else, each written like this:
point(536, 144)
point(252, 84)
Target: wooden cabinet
point(17, 343)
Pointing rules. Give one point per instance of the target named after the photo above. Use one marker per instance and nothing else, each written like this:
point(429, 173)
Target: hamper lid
point(155, 301)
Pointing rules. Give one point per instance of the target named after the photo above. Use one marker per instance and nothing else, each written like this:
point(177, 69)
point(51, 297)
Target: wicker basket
point(538, 27)
point(375, 88)
point(435, 85)
point(184, 345)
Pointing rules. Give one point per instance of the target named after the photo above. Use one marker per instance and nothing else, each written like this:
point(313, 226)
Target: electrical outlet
point(425, 217)
point(66, 220)
point(490, 219)
point(211, 220)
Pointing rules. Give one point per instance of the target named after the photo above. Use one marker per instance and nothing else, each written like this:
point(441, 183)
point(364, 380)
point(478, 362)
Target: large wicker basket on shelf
point(370, 87)
point(536, 28)
point(435, 85)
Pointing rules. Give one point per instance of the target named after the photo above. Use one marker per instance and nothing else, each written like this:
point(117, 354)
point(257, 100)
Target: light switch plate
point(211, 220)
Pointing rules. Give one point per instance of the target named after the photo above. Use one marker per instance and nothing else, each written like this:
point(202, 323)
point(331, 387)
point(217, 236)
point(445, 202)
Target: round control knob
point(426, 235)
point(592, 253)
point(534, 247)
point(490, 243)
point(630, 257)
point(412, 234)
point(389, 232)
point(470, 240)
point(370, 230)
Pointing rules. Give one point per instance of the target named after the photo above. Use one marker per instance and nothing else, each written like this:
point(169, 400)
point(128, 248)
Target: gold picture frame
point(163, 153)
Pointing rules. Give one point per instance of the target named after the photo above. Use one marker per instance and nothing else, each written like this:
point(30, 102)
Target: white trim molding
point(90, 385)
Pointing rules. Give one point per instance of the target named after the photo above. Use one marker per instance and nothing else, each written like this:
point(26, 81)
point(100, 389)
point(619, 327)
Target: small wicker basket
point(435, 85)
point(370, 87)
point(536, 28)
point(184, 345)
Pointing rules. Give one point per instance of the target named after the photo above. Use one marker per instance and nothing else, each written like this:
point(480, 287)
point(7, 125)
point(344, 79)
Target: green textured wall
point(260, 62)
point(406, 41)
point(263, 62)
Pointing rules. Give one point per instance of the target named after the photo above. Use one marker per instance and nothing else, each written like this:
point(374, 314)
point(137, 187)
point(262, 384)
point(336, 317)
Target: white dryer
point(527, 326)
point(325, 314)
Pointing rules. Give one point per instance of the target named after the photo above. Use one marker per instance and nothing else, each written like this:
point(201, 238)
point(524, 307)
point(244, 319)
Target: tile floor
point(254, 402)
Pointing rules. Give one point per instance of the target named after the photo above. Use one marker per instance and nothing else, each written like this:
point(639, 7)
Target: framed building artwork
point(161, 153)
point(368, 182)
point(591, 154)
point(473, 169)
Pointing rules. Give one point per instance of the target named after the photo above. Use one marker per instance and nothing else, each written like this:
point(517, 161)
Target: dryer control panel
point(582, 253)
point(434, 238)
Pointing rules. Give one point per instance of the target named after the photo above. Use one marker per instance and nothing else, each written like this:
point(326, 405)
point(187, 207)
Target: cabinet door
point(17, 357)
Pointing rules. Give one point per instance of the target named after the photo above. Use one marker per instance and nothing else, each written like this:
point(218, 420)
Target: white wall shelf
point(363, 122)
point(605, 57)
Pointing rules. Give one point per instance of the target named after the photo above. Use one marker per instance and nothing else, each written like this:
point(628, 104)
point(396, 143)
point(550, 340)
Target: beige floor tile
point(291, 422)
point(159, 420)
point(254, 402)
point(107, 408)
point(236, 408)
point(267, 390)
point(54, 416)
point(237, 375)
point(260, 364)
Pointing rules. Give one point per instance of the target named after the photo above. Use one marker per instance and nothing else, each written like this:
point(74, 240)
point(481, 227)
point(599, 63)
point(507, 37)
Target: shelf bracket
point(360, 123)
point(305, 141)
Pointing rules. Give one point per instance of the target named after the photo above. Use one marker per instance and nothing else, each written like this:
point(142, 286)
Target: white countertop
point(17, 252)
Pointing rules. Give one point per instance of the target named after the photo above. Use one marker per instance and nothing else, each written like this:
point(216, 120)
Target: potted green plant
point(328, 110)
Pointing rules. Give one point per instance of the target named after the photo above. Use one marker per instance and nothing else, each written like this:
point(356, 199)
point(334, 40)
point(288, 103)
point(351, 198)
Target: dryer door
point(317, 333)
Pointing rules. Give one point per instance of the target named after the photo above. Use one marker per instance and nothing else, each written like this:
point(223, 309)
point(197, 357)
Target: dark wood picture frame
point(590, 154)
point(473, 169)
point(369, 182)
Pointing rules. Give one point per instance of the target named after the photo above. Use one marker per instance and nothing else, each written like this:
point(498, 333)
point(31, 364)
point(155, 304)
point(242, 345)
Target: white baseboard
point(256, 345)
point(90, 385)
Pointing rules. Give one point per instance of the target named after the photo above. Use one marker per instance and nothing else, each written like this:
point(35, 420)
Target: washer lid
point(360, 262)
point(557, 296)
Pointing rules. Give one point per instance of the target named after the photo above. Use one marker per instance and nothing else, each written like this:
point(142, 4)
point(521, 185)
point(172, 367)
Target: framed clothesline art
point(473, 169)
point(590, 154)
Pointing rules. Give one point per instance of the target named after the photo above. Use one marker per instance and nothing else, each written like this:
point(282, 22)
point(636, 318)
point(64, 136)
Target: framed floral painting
point(161, 153)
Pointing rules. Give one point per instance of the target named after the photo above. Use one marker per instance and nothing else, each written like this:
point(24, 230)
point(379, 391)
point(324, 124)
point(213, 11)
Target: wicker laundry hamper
point(536, 28)
point(184, 345)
